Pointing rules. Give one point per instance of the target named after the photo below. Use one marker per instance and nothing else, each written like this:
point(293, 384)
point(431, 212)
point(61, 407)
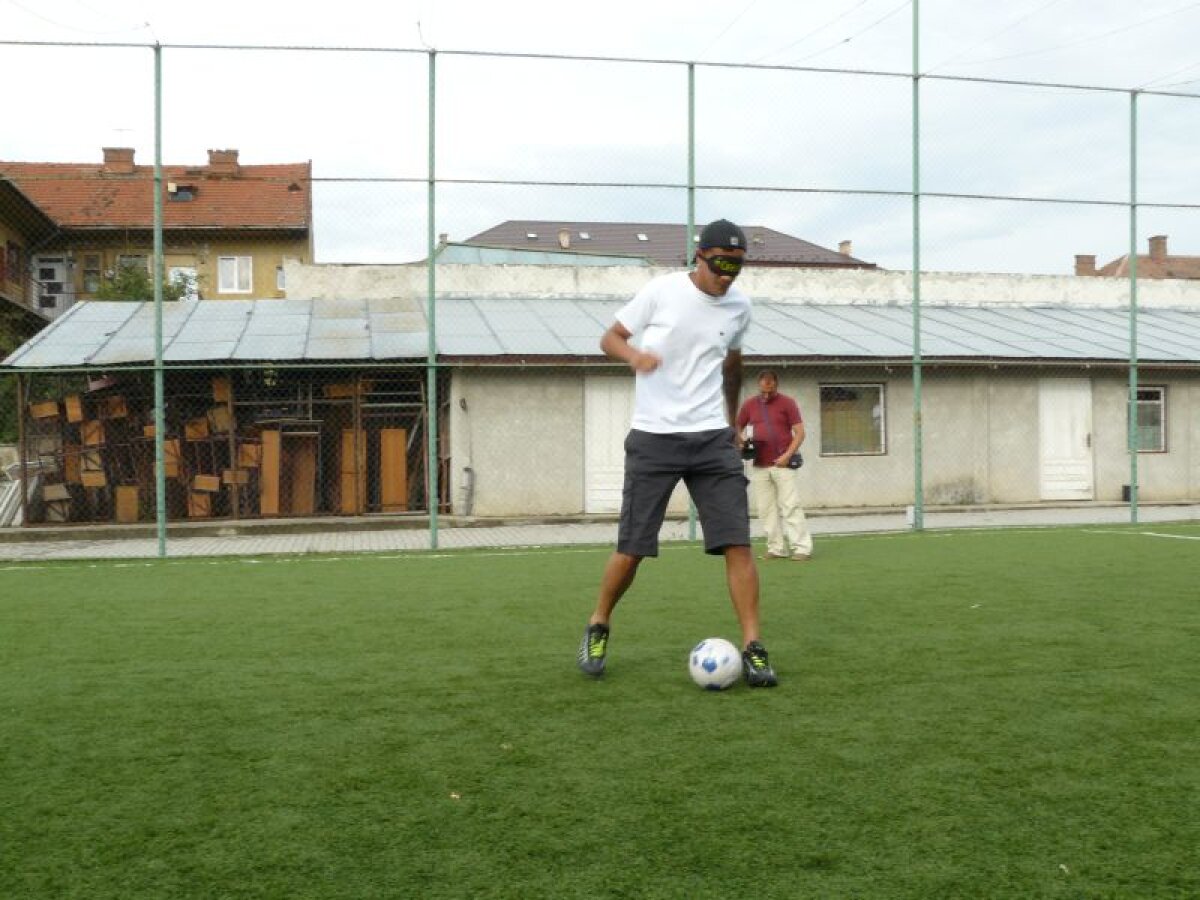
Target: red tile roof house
point(1158, 263)
point(228, 225)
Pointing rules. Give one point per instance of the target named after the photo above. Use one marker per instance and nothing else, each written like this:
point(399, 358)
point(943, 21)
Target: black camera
point(749, 449)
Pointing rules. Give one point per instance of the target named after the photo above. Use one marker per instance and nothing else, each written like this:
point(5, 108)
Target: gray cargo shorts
point(708, 463)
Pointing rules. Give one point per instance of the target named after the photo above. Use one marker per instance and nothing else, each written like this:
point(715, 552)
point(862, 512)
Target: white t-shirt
point(692, 332)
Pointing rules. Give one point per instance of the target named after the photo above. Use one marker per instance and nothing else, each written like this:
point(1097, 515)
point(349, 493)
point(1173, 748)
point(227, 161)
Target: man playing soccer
point(688, 367)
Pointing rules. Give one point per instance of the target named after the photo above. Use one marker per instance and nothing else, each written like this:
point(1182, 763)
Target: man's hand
point(782, 461)
point(644, 361)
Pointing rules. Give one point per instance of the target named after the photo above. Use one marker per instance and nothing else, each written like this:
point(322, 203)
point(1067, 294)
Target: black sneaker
point(592, 650)
point(756, 668)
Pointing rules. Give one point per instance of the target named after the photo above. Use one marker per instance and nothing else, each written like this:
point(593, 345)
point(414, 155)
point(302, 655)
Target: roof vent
point(642, 236)
point(531, 235)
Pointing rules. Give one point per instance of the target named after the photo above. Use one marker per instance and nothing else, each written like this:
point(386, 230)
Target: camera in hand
point(749, 449)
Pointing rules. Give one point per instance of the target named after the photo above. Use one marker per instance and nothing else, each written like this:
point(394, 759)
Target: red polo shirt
point(773, 420)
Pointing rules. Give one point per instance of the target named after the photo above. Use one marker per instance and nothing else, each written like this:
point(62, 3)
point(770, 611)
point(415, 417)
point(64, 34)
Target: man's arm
point(731, 379)
point(615, 344)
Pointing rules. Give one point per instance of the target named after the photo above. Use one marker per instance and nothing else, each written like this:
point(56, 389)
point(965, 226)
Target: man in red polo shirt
point(778, 432)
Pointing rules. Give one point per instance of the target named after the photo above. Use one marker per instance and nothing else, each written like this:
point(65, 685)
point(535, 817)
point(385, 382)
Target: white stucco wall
point(783, 285)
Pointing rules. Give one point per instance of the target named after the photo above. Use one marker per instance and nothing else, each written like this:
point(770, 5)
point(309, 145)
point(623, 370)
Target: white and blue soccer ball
point(715, 664)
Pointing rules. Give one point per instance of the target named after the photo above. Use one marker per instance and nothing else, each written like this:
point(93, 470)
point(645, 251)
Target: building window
point(133, 261)
point(234, 275)
point(13, 253)
point(187, 278)
point(91, 272)
point(1151, 420)
point(852, 420)
point(280, 279)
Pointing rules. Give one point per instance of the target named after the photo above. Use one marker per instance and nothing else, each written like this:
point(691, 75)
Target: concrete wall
point(781, 285)
point(520, 431)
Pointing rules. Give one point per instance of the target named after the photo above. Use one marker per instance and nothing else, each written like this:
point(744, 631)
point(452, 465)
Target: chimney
point(1158, 247)
point(564, 239)
point(846, 248)
point(1085, 265)
point(223, 162)
point(118, 160)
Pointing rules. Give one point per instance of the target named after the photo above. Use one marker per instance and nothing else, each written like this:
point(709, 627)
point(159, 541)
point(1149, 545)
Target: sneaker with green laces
point(592, 650)
point(756, 667)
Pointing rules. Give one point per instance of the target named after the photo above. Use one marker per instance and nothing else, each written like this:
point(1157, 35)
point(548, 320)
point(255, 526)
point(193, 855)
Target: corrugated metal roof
point(109, 333)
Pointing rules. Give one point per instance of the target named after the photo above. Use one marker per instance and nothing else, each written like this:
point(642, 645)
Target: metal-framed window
point(235, 274)
point(853, 420)
point(1151, 416)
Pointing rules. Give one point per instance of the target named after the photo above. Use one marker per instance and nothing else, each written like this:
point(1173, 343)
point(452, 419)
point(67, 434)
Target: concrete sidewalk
point(379, 536)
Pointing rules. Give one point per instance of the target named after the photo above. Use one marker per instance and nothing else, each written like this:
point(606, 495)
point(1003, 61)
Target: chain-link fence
point(1007, 317)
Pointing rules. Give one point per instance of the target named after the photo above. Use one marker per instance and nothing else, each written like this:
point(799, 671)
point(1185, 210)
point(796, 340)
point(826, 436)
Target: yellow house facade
point(227, 227)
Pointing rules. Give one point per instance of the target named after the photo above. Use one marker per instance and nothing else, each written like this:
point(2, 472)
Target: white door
point(607, 410)
point(1065, 438)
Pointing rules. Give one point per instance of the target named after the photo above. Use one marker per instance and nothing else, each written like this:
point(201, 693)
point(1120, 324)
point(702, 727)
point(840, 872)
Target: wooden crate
point(93, 432)
point(47, 409)
point(72, 464)
point(195, 429)
point(93, 479)
point(393, 469)
point(220, 420)
point(235, 476)
point(74, 405)
point(58, 511)
point(56, 492)
point(199, 505)
point(171, 457)
point(268, 485)
point(127, 503)
point(352, 472)
point(222, 389)
point(249, 456)
point(113, 407)
point(207, 483)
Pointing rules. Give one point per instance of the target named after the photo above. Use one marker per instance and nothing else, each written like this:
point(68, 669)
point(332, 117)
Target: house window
point(13, 253)
point(1151, 420)
point(280, 279)
point(91, 272)
point(187, 278)
point(133, 261)
point(234, 274)
point(852, 420)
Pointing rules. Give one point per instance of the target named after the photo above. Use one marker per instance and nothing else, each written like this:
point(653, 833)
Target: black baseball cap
point(722, 233)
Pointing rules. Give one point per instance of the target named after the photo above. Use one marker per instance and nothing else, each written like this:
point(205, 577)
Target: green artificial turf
point(968, 714)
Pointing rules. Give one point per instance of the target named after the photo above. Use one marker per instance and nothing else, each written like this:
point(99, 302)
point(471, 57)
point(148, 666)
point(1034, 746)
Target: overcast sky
point(823, 156)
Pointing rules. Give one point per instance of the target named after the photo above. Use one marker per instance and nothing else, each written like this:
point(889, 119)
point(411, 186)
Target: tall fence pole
point(431, 453)
point(1132, 428)
point(691, 222)
point(918, 517)
point(160, 479)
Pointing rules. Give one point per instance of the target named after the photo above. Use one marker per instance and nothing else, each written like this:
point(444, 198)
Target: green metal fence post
point(1132, 428)
point(918, 517)
point(432, 456)
point(160, 479)
point(691, 221)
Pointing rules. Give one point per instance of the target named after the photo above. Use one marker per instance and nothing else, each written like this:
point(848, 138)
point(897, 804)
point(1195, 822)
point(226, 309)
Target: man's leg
point(742, 577)
point(767, 504)
point(619, 573)
point(794, 522)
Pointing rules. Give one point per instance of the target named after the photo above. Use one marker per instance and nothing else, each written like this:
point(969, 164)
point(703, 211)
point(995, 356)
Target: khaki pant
point(779, 510)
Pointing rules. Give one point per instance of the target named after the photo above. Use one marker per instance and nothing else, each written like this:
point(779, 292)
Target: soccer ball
point(714, 664)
